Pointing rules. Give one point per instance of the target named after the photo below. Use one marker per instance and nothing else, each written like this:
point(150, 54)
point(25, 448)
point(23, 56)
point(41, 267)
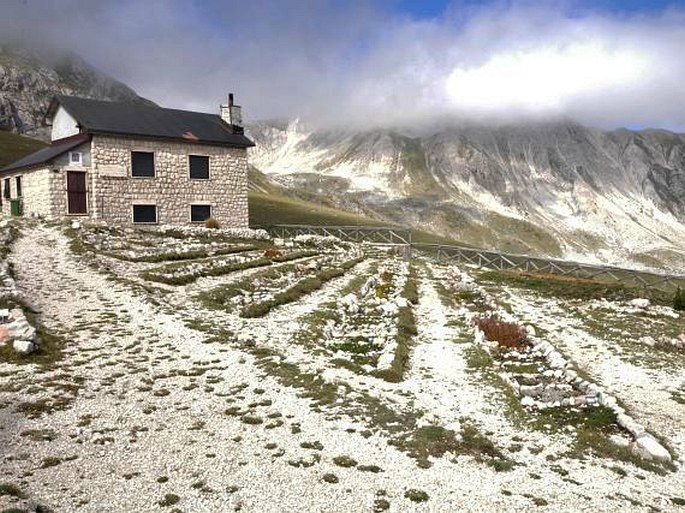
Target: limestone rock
point(24, 346)
point(649, 448)
point(640, 303)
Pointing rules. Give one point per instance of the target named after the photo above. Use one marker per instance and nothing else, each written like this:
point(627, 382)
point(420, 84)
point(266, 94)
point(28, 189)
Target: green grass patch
point(571, 288)
point(159, 274)
point(14, 147)
point(173, 256)
point(299, 290)
point(269, 210)
point(11, 490)
point(406, 331)
point(49, 350)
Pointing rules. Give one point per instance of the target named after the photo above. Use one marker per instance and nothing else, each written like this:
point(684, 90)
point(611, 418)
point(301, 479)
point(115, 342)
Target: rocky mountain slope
point(554, 188)
point(29, 80)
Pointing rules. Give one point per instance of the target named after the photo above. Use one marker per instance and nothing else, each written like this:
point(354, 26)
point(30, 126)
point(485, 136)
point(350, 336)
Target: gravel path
point(142, 410)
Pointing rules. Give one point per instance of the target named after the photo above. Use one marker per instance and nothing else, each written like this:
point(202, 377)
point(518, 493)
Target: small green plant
point(381, 505)
point(12, 490)
point(169, 500)
point(344, 461)
point(330, 478)
point(416, 495)
point(211, 223)
point(50, 461)
point(679, 300)
point(252, 419)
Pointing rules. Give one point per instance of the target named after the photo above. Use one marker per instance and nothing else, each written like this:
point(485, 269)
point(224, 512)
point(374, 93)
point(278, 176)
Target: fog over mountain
point(370, 63)
point(495, 123)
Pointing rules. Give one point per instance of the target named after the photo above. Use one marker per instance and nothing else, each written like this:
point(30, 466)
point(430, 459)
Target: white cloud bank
point(544, 80)
point(362, 63)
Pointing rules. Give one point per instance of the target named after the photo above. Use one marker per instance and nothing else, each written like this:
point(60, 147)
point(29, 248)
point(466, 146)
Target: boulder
point(21, 330)
point(24, 346)
point(640, 303)
point(245, 339)
point(649, 448)
point(619, 440)
point(527, 401)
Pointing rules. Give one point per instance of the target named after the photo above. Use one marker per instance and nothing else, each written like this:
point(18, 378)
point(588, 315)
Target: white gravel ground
point(141, 398)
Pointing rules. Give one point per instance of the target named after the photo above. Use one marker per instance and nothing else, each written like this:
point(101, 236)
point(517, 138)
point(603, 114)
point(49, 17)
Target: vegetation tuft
point(566, 287)
point(212, 223)
point(679, 300)
point(508, 335)
point(300, 289)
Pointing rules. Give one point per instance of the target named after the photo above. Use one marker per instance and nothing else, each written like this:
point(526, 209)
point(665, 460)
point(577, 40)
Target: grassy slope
point(13, 147)
point(269, 209)
point(266, 210)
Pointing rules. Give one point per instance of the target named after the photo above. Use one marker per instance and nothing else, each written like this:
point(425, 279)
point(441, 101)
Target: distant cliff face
point(556, 188)
point(28, 81)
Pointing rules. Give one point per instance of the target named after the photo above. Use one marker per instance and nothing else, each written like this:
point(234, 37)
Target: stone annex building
point(126, 163)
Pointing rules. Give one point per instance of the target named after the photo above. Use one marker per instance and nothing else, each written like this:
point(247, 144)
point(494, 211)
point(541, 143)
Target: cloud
point(366, 63)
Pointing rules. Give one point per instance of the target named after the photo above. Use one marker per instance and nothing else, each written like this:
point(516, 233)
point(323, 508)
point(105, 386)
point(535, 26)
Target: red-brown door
point(76, 192)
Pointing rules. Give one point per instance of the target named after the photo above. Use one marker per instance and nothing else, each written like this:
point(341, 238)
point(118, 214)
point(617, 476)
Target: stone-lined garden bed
point(369, 329)
point(188, 272)
point(543, 378)
point(256, 295)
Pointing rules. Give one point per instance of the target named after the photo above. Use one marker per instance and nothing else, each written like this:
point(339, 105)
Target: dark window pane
point(199, 213)
point(144, 213)
point(142, 163)
point(8, 191)
point(18, 186)
point(199, 167)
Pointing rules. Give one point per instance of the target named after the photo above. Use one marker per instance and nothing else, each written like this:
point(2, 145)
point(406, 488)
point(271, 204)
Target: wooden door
point(76, 192)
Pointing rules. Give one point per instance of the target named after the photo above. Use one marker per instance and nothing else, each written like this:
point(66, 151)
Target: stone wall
point(39, 192)
point(115, 191)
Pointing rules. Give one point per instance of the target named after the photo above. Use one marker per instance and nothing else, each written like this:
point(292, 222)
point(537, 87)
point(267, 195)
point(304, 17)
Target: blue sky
point(435, 8)
point(382, 62)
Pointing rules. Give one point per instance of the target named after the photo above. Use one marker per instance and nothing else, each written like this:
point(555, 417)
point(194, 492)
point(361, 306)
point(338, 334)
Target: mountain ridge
point(553, 187)
point(29, 79)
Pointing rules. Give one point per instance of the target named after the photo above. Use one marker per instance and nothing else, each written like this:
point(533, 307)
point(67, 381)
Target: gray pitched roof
point(134, 119)
point(45, 155)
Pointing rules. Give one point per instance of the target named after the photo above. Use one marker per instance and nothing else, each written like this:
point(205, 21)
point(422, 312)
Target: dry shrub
point(272, 253)
point(508, 335)
point(211, 223)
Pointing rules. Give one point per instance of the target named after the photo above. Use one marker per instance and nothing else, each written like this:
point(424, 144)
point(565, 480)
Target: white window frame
point(78, 162)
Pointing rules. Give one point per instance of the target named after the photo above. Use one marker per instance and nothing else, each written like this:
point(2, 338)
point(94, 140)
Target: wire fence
point(483, 258)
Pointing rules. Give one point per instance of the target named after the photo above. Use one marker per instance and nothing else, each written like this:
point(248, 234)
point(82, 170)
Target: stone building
point(126, 163)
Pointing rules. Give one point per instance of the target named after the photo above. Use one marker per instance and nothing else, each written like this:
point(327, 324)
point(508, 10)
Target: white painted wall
point(63, 125)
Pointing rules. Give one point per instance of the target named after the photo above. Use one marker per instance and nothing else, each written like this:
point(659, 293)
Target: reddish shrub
point(508, 335)
point(272, 253)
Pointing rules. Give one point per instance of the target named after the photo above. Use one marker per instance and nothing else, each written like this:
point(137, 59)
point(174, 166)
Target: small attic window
point(75, 158)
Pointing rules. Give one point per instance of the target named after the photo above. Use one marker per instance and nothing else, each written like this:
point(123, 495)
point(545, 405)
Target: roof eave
point(250, 143)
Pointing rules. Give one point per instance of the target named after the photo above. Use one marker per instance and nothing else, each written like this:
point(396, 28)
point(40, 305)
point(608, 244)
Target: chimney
point(232, 115)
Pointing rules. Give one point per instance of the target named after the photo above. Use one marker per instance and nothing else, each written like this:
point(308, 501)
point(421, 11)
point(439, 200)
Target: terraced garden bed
point(552, 387)
point(369, 329)
point(259, 293)
point(188, 272)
